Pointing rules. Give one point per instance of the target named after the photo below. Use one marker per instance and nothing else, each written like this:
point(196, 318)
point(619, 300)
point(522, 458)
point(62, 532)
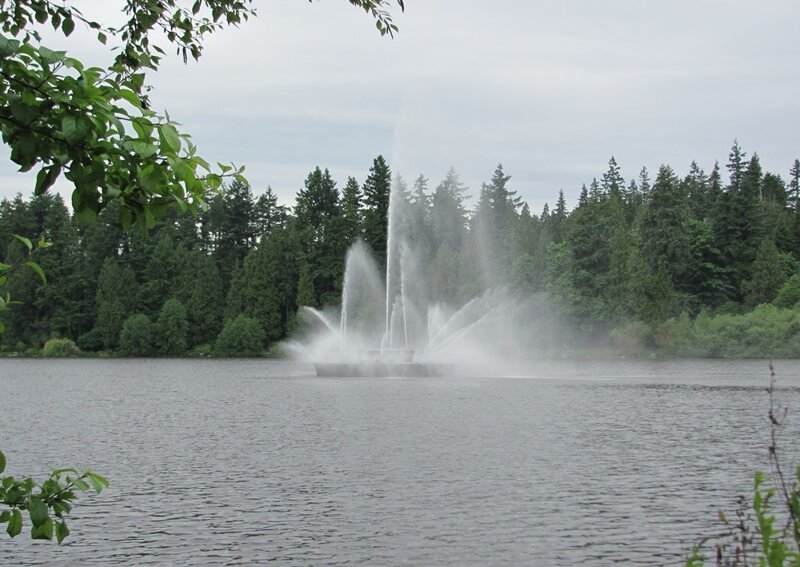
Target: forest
point(701, 264)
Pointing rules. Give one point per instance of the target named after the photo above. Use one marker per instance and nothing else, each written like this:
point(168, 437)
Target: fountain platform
point(383, 369)
point(385, 364)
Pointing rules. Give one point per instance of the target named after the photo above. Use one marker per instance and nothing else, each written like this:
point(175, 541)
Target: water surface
point(250, 461)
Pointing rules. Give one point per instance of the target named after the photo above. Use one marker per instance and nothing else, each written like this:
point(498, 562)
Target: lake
point(254, 461)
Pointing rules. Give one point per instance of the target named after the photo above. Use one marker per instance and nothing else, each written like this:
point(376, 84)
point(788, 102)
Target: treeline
point(646, 262)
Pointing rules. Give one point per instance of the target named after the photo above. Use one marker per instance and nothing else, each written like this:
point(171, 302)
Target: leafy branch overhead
point(94, 125)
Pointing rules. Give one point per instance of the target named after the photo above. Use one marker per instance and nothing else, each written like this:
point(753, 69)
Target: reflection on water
point(244, 462)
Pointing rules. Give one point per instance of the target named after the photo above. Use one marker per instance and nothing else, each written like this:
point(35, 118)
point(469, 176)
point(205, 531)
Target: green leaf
point(15, 523)
point(101, 37)
point(85, 216)
point(98, 482)
point(130, 97)
point(74, 129)
point(58, 472)
point(62, 531)
point(46, 177)
point(67, 26)
point(2, 462)
point(5, 515)
point(43, 531)
point(25, 241)
point(38, 512)
point(81, 485)
point(153, 178)
point(169, 137)
point(7, 46)
point(142, 148)
point(38, 269)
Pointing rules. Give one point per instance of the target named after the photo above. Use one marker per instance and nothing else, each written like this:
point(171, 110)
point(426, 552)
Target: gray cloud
point(550, 91)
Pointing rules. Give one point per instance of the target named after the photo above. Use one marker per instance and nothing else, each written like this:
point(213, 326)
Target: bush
point(789, 295)
point(240, 337)
point(632, 338)
point(60, 348)
point(136, 338)
point(202, 351)
point(91, 341)
point(675, 336)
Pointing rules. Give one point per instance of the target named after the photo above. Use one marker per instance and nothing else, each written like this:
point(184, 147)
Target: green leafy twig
point(47, 504)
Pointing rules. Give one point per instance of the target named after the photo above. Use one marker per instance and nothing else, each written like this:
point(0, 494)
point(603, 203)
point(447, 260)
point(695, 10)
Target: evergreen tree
point(317, 203)
point(448, 215)
point(644, 183)
point(159, 274)
point(266, 287)
point(665, 246)
point(268, 214)
point(306, 296)
point(698, 193)
point(737, 224)
point(172, 328)
point(794, 184)
point(558, 218)
point(766, 276)
point(612, 182)
point(377, 189)
point(197, 284)
point(228, 228)
point(492, 226)
point(117, 297)
point(352, 213)
point(321, 233)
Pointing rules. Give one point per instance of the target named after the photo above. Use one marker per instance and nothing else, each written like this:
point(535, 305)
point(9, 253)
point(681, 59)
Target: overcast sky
point(549, 89)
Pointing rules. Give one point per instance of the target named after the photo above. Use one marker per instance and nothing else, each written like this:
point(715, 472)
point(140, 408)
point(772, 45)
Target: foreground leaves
point(47, 503)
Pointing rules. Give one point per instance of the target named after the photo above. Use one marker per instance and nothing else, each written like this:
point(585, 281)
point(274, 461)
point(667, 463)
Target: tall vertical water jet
point(388, 324)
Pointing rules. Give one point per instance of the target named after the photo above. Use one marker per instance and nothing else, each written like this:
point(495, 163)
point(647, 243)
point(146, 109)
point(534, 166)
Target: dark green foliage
point(91, 341)
point(265, 287)
point(197, 284)
point(351, 211)
point(117, 297)
point(137, 337)
point(376, 203)
point(642, 252)
point(767, 331)
point(268, 214)
point(789, 295)
point(241, 336)
point(228, 228)
point(493, 223)
point(305, 288)
point(172, 328)
point(322, 233)
point(766, 276)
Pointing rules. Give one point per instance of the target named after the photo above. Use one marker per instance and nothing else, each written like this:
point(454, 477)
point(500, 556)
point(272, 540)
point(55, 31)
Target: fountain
point(395, 324)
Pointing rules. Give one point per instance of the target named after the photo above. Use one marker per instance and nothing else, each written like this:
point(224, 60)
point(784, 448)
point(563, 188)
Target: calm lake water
point(254, 461)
